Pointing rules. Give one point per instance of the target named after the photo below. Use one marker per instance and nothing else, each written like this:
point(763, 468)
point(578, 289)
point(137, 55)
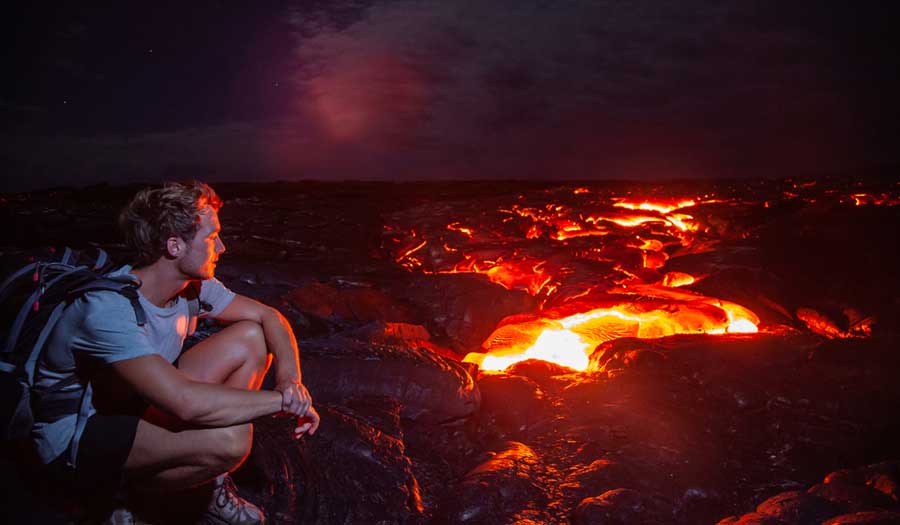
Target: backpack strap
point(51, 405)
point(126, 287)
point(7, 287)
point(59, 385)
point(131, 294)
point(31, 363)
point(83, 411)
point(67, 256)
point(102, 257)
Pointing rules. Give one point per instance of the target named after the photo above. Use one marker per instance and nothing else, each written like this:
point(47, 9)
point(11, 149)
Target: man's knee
point(231, 446)
point(253, 341)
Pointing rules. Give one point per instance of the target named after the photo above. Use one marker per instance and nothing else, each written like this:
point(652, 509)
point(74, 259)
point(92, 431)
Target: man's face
point(202, 252)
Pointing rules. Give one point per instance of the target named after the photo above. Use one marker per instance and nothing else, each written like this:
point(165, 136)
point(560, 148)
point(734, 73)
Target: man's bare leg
point(238, 359)
point(166, 458)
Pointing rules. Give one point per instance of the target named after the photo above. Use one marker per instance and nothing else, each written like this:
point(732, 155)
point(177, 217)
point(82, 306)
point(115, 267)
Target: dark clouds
point(586, 89)
point(436, 89)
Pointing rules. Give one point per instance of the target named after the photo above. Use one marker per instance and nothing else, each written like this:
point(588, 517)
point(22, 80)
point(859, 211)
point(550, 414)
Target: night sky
point(435, 89)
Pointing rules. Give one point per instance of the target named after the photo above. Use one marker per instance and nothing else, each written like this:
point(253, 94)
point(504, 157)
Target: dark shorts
point(102, 452)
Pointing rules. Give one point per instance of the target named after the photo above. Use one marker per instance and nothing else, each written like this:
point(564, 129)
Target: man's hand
point(307, 423)
point(295, 398)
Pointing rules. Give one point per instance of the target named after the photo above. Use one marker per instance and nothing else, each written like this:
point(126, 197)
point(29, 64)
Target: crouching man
point(161, 420)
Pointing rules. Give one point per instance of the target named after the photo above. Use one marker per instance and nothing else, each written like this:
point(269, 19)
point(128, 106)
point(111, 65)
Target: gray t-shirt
point(100, 328)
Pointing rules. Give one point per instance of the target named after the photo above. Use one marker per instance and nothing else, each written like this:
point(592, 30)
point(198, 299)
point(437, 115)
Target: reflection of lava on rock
point(554, 245)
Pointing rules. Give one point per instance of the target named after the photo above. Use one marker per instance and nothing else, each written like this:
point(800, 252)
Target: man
point(155, 425)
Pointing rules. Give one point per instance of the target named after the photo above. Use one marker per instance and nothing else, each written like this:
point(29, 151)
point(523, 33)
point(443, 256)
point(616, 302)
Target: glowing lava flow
point(545, 247)
point(676, 279)
point(557, 345)
point(569, 341)
point(661, 206)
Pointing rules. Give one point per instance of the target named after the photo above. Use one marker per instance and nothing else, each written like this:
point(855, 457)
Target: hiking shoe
point(120, 516)
point(227, 508)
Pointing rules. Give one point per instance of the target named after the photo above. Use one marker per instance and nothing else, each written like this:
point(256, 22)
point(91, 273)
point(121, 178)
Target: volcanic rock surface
point(794, 424)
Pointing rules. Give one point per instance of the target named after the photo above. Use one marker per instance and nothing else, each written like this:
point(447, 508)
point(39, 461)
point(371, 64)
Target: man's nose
point(220, 246)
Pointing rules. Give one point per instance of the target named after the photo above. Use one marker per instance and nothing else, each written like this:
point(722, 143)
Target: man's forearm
point(209, 404)
point(283, 345)
point(195, 402)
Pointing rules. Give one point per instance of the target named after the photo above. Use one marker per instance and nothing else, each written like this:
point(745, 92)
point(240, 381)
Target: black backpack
point(32, 301)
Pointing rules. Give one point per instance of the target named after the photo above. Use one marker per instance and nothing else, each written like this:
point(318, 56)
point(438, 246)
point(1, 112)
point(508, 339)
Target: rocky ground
point(795, 425)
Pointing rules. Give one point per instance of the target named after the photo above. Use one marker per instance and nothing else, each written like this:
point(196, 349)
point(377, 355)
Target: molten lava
point(570, 340)
point(595, 262)
point(661, 206)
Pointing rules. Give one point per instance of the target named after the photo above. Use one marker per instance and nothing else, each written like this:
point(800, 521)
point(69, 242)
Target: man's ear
point(175, 246)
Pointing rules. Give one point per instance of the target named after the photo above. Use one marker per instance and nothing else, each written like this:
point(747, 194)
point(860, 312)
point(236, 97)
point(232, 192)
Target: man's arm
point(281, 343)
point(204, 404)
point(279, 336)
